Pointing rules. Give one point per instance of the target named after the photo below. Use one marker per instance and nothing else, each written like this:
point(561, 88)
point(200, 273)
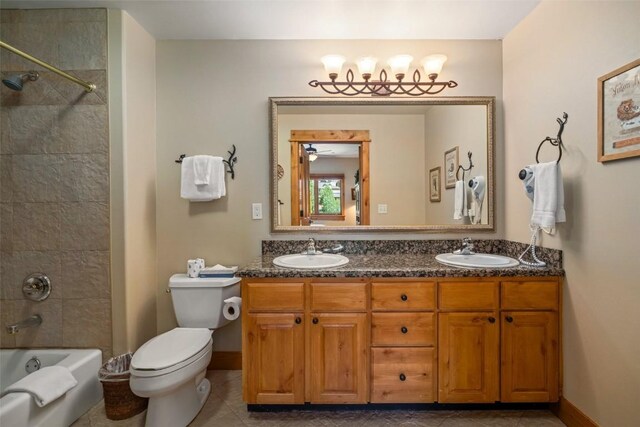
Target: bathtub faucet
point(34, 320)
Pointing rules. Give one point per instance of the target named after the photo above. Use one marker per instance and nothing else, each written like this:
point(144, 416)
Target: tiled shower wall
point(54, 180)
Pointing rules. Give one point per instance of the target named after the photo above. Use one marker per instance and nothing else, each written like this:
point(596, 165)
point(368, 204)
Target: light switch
point(256, 211)
point(382, 209)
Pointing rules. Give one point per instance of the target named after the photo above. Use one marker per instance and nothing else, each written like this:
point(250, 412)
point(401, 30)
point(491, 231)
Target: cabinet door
point(529, 357)
point(339, 359)
point(274, 358)
point(468, 349)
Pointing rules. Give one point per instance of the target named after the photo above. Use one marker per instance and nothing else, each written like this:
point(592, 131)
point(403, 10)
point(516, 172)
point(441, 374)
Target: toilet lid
point(170, 348)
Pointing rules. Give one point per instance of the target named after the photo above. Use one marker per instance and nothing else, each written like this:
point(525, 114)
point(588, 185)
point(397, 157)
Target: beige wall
point(446, 127)
point(396, 156)
point(551, 64)
point(133, 122)
point(54, 169)
point(212, 94)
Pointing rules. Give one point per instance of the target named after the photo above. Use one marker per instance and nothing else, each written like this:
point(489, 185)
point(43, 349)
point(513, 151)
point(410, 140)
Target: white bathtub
point(19, 409)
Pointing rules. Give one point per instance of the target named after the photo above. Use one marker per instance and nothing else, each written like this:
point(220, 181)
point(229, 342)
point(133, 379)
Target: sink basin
point(477, 260)
point(311, 261)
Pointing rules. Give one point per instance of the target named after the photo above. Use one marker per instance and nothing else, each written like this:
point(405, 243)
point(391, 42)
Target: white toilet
point(170, 369)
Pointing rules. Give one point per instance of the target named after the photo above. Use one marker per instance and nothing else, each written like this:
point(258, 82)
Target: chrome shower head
point(16, 82)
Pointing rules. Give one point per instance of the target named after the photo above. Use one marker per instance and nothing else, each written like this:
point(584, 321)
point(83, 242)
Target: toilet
point(170, 369)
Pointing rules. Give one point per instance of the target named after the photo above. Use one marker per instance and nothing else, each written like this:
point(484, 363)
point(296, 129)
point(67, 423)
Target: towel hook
point(464, 170)
point(557, 141)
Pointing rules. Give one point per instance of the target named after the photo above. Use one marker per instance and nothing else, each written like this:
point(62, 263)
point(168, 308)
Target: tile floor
point(225, 408)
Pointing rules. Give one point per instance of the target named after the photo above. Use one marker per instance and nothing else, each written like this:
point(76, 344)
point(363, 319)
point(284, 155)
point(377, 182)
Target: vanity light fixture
point(399, 64)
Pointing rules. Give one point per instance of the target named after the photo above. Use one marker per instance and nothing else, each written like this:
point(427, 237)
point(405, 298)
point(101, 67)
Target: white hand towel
point(548, 195)
point(205, 192)
point(44, 385)
point(460, 200)
point(202, 166)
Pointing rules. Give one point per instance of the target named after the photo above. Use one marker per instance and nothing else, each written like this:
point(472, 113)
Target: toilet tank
point(198, 302)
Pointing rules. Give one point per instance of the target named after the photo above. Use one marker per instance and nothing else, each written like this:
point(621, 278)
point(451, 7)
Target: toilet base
point(181, 406)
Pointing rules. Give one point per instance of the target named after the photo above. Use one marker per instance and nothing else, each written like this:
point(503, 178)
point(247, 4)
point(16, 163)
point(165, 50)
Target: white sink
point(311, 261)
point(477, 260)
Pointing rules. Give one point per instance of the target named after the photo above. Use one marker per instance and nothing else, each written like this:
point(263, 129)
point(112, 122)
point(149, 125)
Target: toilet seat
point(171, 351)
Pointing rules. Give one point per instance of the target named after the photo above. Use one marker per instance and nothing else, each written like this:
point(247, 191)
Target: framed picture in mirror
point(434, 184)
point(450, 167)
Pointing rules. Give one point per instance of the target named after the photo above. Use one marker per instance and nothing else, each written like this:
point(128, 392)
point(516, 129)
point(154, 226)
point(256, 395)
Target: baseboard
point(223, 360)
point(570, 415)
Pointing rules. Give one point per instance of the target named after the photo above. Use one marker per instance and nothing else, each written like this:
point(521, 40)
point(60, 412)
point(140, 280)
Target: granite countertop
point(390, 265)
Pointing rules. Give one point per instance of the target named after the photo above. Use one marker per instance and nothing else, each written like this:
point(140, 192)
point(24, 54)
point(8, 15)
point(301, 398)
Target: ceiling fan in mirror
point(313, 152)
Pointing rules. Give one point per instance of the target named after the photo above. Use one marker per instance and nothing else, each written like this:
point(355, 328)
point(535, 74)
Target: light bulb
point(366, 66)
point(333, 65)
point(313, 157)
point(432, 65)
point(400, 65)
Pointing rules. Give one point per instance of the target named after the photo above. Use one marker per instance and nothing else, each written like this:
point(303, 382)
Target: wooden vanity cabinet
point(464, 340)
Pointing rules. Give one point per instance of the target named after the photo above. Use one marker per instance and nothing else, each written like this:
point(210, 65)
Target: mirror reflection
point(382, 164)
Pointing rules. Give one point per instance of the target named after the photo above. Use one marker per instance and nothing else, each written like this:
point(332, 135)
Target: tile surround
point(54, 179)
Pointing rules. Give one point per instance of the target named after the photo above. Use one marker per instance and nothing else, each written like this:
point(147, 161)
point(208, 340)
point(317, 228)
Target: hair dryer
point(478, 187)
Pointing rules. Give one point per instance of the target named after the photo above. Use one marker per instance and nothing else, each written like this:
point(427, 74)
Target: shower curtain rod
point(88, 86)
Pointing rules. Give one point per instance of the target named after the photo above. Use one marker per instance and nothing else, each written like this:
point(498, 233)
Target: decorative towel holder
point(465, 170)
point(556, 142)
point(232, 160)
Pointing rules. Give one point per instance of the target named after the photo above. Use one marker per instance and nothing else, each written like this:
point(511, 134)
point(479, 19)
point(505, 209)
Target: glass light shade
point(432, 64)
point(333, 64)
point(367, 65)
point(313, 157)
point(400, 64)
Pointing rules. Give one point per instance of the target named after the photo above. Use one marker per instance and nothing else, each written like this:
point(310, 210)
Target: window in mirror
point(327, 197)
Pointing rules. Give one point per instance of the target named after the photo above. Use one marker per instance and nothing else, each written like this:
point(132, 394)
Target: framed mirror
point(376, 164)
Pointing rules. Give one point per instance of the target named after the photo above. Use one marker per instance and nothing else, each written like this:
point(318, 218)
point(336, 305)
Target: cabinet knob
point(315, 320)
point(404, 330)
point(509, 319)
point(404, 297)
point(403, 377)
point(298, 320)
point(492, 319)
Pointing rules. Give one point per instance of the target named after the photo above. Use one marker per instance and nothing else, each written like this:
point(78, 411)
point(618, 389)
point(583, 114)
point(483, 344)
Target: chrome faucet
point(311, 247)
point(467, 247)
point(34, 320)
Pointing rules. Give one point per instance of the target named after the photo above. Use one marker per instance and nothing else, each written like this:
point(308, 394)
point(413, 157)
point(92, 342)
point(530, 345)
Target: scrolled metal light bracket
point(382, 86)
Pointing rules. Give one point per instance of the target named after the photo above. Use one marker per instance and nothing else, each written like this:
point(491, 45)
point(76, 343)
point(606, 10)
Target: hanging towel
point(548, 195)
point(460, 201)
point(202, 166)
point(44, 385)
point(214, 189)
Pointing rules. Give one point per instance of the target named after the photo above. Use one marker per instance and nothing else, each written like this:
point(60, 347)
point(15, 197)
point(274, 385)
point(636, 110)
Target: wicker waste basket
point(119, 401)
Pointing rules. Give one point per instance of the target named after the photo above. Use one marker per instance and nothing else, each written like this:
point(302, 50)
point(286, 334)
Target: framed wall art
point(434, 184)
point(450, 167)
point(619, 113)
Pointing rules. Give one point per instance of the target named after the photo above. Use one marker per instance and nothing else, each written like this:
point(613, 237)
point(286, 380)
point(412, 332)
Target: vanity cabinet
point(408, 340)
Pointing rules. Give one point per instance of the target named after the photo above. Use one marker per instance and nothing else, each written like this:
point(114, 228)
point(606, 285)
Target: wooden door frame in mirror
point(488, 101)
point(360, 137)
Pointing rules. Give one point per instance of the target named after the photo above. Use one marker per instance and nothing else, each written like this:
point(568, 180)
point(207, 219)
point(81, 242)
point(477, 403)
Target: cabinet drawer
point(269, 296)
point(468, 296)
point(402, 375)
point(524, 295)
point(338, 296)
point(392, 296)
point(402, 329)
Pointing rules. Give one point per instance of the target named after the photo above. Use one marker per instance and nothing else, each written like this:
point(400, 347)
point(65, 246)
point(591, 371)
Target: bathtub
point(19, 409)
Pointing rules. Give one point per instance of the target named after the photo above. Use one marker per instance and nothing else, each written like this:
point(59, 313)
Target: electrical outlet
point(256, 211)
point(382, 209)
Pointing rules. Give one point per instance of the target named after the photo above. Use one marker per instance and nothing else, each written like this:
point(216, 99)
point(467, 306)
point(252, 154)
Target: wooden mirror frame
point(487, 101)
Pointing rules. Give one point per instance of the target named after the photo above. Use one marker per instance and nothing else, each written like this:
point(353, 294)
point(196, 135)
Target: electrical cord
point(532, 248)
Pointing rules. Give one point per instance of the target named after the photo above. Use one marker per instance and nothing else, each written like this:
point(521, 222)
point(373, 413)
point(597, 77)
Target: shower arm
point(88, 87)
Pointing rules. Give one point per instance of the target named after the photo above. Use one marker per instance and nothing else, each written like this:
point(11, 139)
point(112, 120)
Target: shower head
point(16, 81)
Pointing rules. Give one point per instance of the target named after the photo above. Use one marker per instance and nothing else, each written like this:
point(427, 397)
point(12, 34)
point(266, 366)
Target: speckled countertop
point(413, 261)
